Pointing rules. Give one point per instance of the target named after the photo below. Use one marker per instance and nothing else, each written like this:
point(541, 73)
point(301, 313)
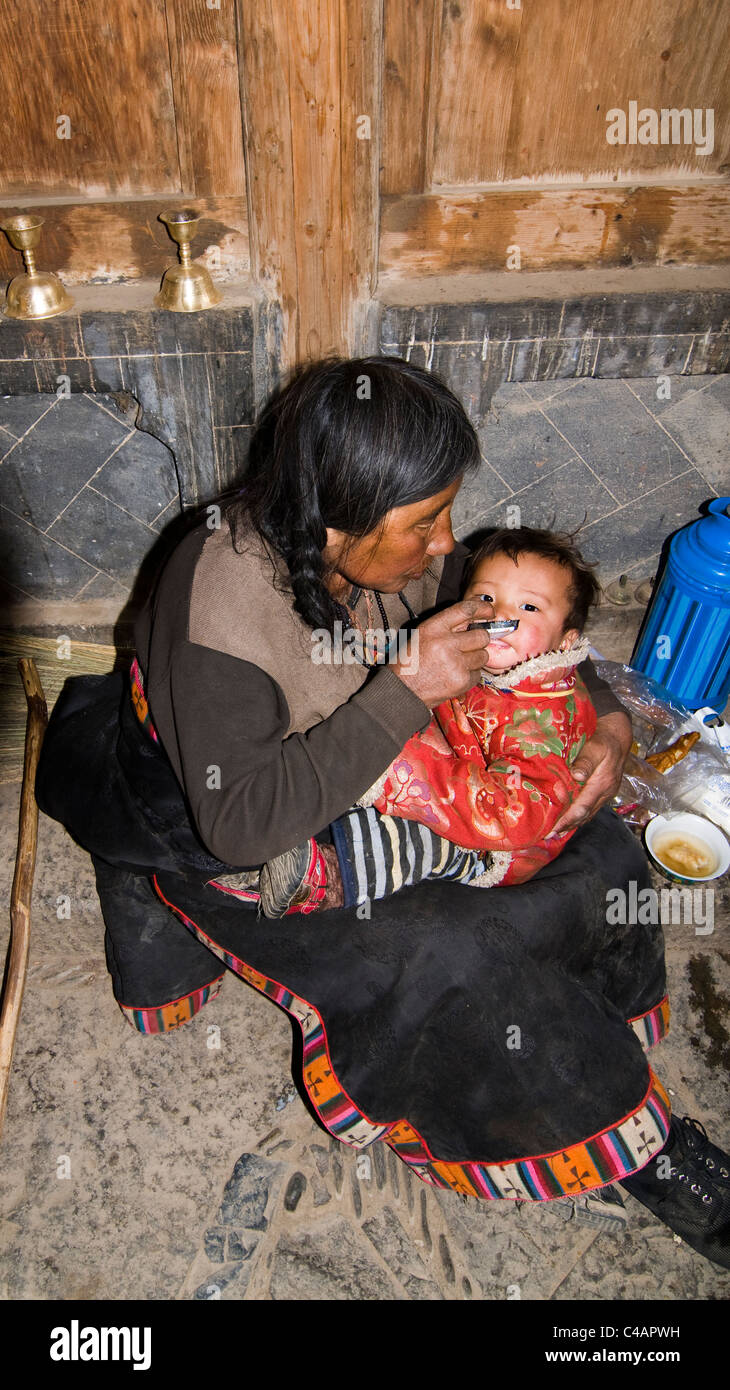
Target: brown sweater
point(269, 746)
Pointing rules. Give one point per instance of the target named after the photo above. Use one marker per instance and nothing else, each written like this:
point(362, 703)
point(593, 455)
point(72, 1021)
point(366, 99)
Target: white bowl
point(702, 829)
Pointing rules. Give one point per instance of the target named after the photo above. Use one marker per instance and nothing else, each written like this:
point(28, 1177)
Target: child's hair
point(525, 540)
point(344, 443)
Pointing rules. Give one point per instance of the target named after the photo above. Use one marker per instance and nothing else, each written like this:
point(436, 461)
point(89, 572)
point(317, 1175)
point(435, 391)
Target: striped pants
point(380, 854)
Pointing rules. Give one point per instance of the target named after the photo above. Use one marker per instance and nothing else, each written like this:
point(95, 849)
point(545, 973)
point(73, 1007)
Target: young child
point(489, 777)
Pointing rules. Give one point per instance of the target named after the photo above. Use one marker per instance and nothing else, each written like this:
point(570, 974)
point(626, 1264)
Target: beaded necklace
point(351, 617)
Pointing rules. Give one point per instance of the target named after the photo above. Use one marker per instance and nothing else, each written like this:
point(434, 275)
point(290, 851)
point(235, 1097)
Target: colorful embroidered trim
point(604, 1158)
point(139, 700)
point(168, 1016)
point(652, 1026)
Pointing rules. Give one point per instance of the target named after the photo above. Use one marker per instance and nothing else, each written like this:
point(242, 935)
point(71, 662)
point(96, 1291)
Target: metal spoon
point(497, 626)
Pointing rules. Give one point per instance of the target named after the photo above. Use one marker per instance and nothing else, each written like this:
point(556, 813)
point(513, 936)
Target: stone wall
point(115, 418)
point(606, 411)
point(600, 411)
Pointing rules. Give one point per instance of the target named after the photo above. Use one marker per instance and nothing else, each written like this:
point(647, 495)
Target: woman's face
point(399, 550)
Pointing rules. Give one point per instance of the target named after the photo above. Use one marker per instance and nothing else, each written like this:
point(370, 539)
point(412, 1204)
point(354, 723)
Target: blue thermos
point(685, 641)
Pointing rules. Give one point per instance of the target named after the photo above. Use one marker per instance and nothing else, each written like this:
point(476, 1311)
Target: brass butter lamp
point(187, 287)
point(37, 294)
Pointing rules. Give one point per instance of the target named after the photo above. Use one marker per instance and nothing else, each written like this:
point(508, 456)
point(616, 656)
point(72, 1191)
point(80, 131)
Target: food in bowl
point(687, 848)
point(685, 854)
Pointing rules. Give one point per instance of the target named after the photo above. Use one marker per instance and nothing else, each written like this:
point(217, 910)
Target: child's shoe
point(244, 884)
point(294, 881)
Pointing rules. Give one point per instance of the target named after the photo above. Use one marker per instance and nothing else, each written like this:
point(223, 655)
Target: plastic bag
point(699, 782)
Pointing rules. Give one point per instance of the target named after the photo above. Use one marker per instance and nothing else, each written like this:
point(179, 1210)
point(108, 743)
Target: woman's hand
point(446, 659)
point(599, 766)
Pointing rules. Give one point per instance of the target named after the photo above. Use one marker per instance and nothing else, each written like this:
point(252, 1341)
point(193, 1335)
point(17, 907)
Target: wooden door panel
point(410, 57)
point(204, 57)
point(104, 66)
point(576, 62)
point(479, 60)
point(477, 93)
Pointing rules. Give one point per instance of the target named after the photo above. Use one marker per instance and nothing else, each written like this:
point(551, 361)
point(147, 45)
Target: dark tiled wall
point(477, 346)
point(608, 457)
point(84, 496)
point(198, 378)
point(563, 395)
point(158, 419)
point(574, 427)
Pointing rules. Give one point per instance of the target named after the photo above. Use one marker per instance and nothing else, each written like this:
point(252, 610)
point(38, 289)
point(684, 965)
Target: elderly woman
point(494, 1040)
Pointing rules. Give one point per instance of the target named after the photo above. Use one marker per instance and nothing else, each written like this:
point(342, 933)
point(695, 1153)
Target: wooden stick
point(20, 898)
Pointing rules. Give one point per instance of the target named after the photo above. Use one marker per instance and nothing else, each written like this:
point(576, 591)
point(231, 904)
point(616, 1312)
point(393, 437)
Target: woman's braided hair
point(344, 443)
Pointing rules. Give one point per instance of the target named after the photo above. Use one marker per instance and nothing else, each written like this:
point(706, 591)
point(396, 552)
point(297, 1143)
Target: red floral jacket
point(492, 770)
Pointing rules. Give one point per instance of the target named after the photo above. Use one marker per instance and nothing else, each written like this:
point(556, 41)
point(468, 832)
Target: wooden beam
point(306, 68)
point(439, 234)
point(263, 56)
point(22, 891)
point(316, 135)
point(360, 68)
point(118, 240)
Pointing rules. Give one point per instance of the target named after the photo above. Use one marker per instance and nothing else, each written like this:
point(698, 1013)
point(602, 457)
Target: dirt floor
point(186, 1167)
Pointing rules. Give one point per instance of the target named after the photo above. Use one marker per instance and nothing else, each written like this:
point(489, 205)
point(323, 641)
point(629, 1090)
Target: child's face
point(533, 590)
